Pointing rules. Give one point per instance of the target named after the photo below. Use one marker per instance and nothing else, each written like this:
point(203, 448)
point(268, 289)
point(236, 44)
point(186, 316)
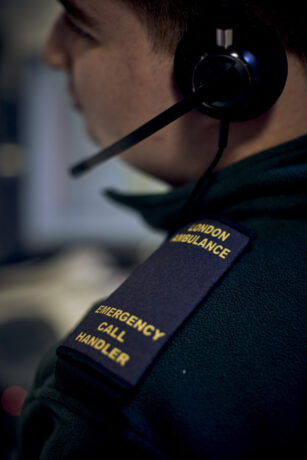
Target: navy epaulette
point(121, 337)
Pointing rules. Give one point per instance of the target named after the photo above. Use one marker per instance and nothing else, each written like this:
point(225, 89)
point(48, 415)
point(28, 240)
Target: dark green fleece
point(231, 384)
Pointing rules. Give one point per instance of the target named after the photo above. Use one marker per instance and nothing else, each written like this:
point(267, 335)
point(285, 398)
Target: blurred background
point(62, 244)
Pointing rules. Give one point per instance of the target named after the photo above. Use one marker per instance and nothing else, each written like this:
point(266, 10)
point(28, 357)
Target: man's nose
point(54, 53)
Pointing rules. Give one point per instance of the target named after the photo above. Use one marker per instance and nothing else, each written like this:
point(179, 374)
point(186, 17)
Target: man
point(230, 380)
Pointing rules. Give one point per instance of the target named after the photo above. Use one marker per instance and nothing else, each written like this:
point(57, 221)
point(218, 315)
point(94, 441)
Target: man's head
point(119, 59)
point(167, 20)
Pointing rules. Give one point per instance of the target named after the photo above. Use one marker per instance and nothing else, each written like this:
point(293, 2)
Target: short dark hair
point(168, 19)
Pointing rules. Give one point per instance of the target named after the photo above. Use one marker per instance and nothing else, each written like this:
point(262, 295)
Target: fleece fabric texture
point(231, 384)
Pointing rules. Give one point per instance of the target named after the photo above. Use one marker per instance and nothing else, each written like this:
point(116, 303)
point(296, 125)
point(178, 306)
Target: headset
point(228, 65)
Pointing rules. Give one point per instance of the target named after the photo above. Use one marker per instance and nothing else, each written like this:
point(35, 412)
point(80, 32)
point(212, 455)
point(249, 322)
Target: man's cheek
point(103, 123)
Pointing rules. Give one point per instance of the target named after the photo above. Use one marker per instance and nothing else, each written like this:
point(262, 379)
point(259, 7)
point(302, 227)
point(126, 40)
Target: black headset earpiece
point(229, 39)
point(228, 66)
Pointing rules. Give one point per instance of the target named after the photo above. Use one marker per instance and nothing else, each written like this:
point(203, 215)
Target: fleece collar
point(272, 181)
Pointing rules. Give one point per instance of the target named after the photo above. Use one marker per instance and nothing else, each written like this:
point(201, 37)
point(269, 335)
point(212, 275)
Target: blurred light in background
point(11, 160)
point(12, 400)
